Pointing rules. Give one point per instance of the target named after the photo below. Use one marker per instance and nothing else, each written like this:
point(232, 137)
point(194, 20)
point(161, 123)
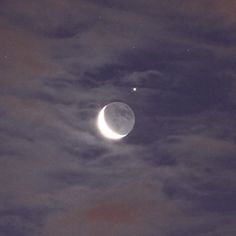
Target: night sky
point(61, 61)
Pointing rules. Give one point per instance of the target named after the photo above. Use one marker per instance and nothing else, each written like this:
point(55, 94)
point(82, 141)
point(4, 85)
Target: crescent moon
point(105, 130)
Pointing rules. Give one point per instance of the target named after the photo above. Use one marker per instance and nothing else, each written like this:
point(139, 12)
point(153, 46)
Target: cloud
point(64, 60)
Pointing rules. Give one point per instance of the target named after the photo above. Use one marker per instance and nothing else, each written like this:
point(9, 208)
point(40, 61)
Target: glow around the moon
point(105, 130)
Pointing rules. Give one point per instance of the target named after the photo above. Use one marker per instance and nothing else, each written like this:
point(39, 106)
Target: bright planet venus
point(115, 120)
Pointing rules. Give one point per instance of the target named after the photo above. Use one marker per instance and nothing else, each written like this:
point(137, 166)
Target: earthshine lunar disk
point(115, 120)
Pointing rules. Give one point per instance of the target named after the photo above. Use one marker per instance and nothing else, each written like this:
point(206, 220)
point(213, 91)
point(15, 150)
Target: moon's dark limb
point(119, 117)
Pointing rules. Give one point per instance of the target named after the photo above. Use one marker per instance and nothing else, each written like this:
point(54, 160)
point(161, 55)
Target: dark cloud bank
point(61, 61)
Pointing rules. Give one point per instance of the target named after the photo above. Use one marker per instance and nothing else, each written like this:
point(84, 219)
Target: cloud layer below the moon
point(61, 61)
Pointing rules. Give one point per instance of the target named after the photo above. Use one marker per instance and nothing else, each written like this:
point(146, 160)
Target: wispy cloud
point(61, 61)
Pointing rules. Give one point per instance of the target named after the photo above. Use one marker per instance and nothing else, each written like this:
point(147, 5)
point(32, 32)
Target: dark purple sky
point(61, 61)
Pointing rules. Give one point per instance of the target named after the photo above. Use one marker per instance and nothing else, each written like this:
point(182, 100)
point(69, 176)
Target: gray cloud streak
point(61, 62)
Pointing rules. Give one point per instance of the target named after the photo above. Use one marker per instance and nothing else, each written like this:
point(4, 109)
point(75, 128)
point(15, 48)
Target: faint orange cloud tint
point(224, 10)
point(23, 55)
point(116, 213)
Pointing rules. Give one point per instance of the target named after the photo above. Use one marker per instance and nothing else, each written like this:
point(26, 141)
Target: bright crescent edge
point(105, 130)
